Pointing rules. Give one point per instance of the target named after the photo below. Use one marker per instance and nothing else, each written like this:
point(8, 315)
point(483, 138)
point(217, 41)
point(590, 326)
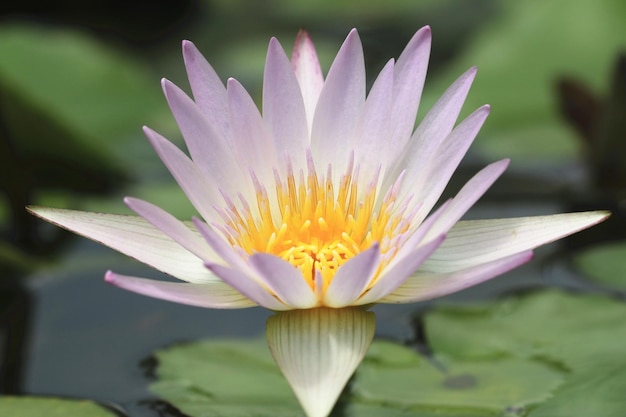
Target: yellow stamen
point(315, 228)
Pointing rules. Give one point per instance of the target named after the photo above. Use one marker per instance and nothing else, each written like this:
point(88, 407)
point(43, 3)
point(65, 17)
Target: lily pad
point(605, 264)
point(51, 407)
point(239, 378)
point(549, 324)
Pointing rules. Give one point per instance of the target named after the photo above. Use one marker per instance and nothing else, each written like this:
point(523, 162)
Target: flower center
point(315, 227)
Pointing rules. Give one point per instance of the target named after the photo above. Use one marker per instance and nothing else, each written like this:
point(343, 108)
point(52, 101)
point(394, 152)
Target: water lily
point(320, 206)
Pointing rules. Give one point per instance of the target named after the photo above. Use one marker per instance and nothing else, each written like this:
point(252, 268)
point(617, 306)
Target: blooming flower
point(320, 206)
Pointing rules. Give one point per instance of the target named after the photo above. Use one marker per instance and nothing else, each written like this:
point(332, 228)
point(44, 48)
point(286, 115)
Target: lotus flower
point(320, 206)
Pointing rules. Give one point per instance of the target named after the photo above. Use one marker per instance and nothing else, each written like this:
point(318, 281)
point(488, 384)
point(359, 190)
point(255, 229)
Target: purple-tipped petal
point(209, 92)
point(475, 242)
point(409, 76)
point(133, 236)
point(339, 106)
point(352, 278)
point(431, 132)
point(210, 152)
point(283, 107)
point(468, 195)
point(425, 286)
point(201, 193)
point(394, 277)
point(434, 177)
point(284, 280)
point(222, 248)
point(172, 227)
point(209, 295)
point(251, 140)
point(308, 73)
point(248, 286)
point(374, 126)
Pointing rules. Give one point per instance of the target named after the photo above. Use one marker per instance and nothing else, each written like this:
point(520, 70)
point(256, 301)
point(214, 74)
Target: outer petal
point(283, 107)
point(208, 90)
point(318, 350)
point(248, 286)
point(284, 280)
point(474, 242)
point(339, 106)
point(352, 278)
point(308, 72)
point(427, 286)
point(210, 295)
point(134, 237)
point(172, 227)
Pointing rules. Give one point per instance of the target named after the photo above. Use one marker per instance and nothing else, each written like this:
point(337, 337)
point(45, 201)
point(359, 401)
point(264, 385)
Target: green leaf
point(50, 407)
point(596, 391)
point(548, 324)
point(489, 386)
point(605, 264)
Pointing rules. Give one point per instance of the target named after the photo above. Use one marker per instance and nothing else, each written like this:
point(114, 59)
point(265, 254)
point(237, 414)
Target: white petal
point(318, 350)
point(308, 72)
point(283, 107)
point(172, 227)
point(134, 237)
point(339, 107)
point(209, 295)
point(425, 286)
point(284, 280)
point(474, 242)
point(352, 278)
point(248, 286)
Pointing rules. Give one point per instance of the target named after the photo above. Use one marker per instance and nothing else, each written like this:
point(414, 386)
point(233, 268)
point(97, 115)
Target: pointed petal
point(172, 227)
point(391, 279)
point(221, 247)
point(433, 178)
point(209, 92)
point(318, 350)
point(474, 242)
point(209, 295)
point(468, 195)
point(132, 236)
point(308, 72)
point(284, 280)
point(248, 286)
point(352, 278)
point(251, 140)
point(374, 126)
point(209, 151)
point(201, 192)
point(431, 132)
point(409, 76)
point(283, 107)
point(339, 106)
point(427, 286)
